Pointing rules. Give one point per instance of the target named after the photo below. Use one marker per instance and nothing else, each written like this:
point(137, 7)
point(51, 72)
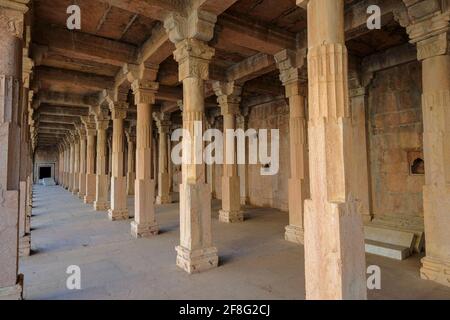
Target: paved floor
point(255, 261)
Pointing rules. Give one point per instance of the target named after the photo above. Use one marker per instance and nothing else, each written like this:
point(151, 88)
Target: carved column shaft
point(229, 98)
point(119, 199)
point(90, 163)
point(289, 64)
point(163, 124)
point(76, 167)
point(334, 239)
point(131, 159)
point(196, 251)
point(433, 51)
point(82, 169)
point(144, 224)
point(11, 33)
point(101, 192)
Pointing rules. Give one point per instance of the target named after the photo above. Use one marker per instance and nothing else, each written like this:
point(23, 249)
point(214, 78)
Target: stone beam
point(63, 99)
point(59, 126)
point(356, 15)
point(248, 34)
point(73, 78)
point(154, 9)
point(59, 111)
point(59, 119)
point(390, 58)
point(83, 46)
point(212, 6)
point(251, 68)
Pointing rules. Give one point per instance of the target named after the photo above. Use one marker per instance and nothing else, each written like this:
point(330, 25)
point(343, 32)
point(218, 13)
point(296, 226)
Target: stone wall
point(46, 156)
point(395, 139)
point(271, 191)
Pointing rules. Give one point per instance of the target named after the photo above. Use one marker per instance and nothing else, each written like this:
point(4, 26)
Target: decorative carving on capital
point(118, 110)
point(228, 96)
point(289, 62)
point(12, 17)
point(144, 91)
point(193, 57)
point(162, 120)
point(10, 93)
point(198, 25)
point(431, 47)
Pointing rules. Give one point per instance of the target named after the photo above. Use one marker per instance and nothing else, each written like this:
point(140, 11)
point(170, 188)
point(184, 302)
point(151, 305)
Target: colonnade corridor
point(255, 262)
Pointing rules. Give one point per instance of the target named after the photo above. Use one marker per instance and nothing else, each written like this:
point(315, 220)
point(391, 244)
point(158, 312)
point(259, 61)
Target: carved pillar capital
point(144, 91)
point(12, 16)
point(118, 110)
point(289, 63)
point(162, 120)
point(193, 57)
point(197, 24)
point(228, 96)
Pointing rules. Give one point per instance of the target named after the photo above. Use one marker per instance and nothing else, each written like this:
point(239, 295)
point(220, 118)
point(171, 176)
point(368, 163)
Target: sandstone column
point(229, 98)
point(11, 33)
point(71, 162)
point(101, 183)
point(431, 36)
point(242, 123)
point(24, 237)
point(76, 166)
point(211, 169)
point(119, 198)
point(144, 224)
point(289, 63)
point(358, 103)
point(163, 123)
point(334, 238)
point(90, 160)
point(196, 251)
point(65, 156)
point(82, 171)
point(131, 159)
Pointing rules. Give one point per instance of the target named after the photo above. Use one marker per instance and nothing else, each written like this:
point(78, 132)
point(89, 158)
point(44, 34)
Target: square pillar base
point(14, 292)
point(89, 199)
point(294, 234)
point(101, 206)
point(163, 199)
point(436, 270)
point(25, 245)
point(117, 215)
point(231, 216)
point(142, 230)
point(194, 261)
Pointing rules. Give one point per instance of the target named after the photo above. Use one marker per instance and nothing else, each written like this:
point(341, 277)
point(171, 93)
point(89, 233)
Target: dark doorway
point(45, 172)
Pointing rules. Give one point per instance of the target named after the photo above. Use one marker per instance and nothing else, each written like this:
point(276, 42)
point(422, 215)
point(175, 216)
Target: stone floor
point(255, 261)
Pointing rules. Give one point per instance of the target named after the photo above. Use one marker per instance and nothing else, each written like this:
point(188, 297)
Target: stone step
point(387, 250)
point(389, 243)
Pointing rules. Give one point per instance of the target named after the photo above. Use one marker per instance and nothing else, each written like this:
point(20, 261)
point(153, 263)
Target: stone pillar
point(101, 202)
point(242, 123)
point(71, 162)
point(144, 224)
point(229, 98)
point(82, 171)
point(211, 169)
point(334, 237)
point(76, 166)
point(358, 104)
point(431, 36)
point(289, 63)
point(90, 160)
point(65, 169)
point(196, 251)
point(163, 123)
point(119, 198)
point(24, 236)
point(11, 33)
point(131, 159)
